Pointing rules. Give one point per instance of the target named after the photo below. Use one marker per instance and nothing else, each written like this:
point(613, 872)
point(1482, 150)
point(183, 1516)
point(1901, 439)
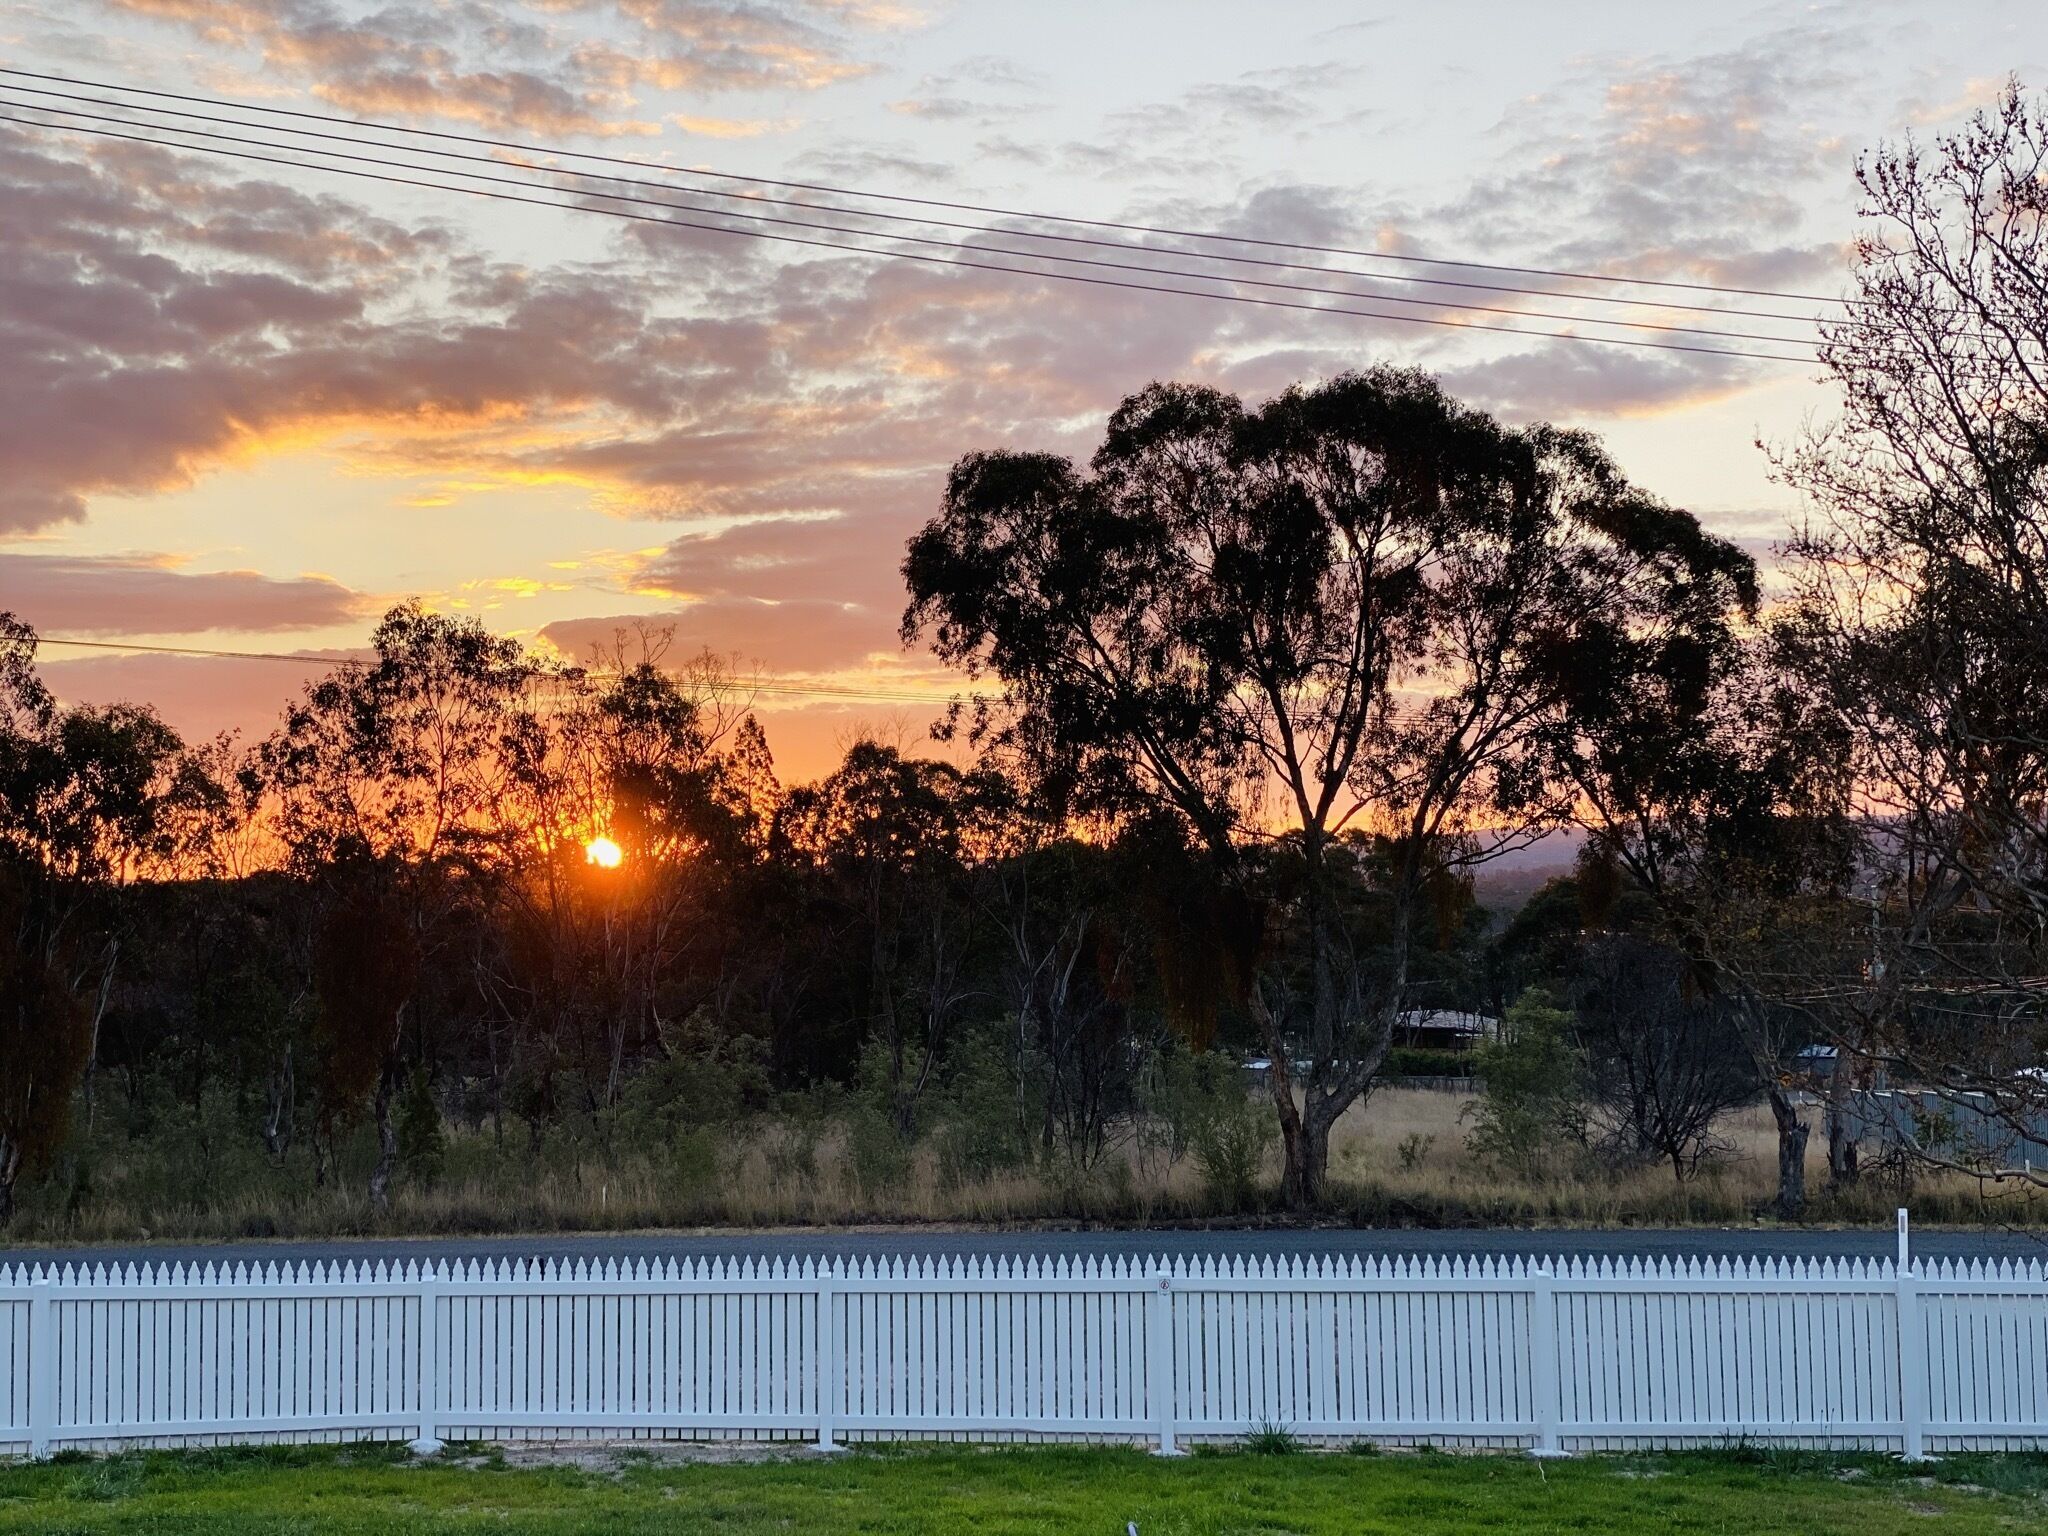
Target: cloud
point(1288, 97)
point(984, 90)
point(161, 317)
point(509, 66)
point(731, 127)
point(1564, 381)
point(1975, 93)
point(152, 595)
point(795, 411)
point(873, 162)
point(1675, 167)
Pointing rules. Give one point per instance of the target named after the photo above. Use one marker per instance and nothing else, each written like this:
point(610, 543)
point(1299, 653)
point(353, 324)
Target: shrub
point(1413, 1149)
point(1416, 1061)
point(1531, 1117)
point(880, 1154)
point(1201, 1101)
point(422, 1139)
point(980, 1132)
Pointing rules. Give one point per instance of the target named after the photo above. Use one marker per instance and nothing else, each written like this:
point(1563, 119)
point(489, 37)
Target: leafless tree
point(1922, 609)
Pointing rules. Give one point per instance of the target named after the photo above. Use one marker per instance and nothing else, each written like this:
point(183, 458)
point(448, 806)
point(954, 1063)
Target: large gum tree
point(1333, 635)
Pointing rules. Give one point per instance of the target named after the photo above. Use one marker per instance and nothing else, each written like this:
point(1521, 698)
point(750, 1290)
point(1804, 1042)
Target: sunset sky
point(248, 408)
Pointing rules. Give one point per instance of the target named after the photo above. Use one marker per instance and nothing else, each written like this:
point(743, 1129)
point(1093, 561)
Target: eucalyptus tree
point(592, 960)
point(91, 797)
point(890, 836)
point(1352, 612)
point(385, 775)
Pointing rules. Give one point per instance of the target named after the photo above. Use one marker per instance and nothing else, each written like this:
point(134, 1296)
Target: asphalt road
point(1630, 1242)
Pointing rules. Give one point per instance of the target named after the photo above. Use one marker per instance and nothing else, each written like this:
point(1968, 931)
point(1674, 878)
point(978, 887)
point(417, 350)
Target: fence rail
point(1496, 1352)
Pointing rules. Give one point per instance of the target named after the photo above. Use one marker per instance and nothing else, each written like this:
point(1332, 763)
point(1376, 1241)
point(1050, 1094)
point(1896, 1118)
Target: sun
point(602, 852)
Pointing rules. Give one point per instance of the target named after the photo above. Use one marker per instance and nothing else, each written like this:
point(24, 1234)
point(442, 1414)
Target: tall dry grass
point(1401, 1158)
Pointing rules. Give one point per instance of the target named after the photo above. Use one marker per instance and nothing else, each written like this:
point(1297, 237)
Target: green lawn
point(323, 1492)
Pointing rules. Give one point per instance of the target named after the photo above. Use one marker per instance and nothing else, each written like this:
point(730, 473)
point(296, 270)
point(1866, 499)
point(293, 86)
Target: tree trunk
point(1304, 1138)
point(277, 1120)
point(387, 1141)
point(1792, 1134)
point(1307, 1146)
point(10, 1169)
point(1842, 1161)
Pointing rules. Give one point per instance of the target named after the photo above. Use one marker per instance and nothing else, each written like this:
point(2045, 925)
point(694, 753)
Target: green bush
point(422, 1138)
point(1210, 1115)
point(980, 1132)
point(683, 1105)
point(1416, 1061)
point(880, 1155)
point(1531, 1117)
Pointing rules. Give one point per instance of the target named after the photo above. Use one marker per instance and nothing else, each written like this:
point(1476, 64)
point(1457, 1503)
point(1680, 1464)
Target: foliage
point(1269, 1439)
point(980, 1131)
point(1218, 618)
point(1207, 1110)
point(91, 798)
point(1919, 620)
point(1664, 1066)
point(1420, 1061)
point(421, 1135)
point(1531, 1117)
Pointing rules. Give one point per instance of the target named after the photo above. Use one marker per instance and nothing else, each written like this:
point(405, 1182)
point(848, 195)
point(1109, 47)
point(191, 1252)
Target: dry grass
point(1399, 1159)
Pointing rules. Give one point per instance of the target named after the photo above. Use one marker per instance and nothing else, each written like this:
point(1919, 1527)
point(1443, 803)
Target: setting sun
point(602, 852)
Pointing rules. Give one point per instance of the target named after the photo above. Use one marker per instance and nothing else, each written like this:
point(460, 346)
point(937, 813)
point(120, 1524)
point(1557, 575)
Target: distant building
point(1435, 1029)
point(1444, 1029)
point(1814, 1067)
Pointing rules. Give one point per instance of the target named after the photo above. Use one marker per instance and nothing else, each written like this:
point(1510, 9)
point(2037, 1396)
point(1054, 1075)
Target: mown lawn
point(326, 1492)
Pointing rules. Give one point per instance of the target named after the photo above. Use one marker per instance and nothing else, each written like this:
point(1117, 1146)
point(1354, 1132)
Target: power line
point(954, 206)
point(1027, 255)
point(932, 260)
point(1007, 230)
point(1396, 714)
point(769, 685)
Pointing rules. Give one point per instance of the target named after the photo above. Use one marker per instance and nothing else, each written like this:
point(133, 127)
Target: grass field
point(1399, 1159)
point(327, 1492)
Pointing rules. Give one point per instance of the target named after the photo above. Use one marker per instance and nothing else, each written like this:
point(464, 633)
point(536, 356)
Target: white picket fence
point(1486, 1352)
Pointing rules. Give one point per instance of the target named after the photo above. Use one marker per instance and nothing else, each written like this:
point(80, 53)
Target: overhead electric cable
point(1409, 713)
point(1012, 230)
point(949, 245)
point(930, 202)
point(741, 685)
point(934, 260)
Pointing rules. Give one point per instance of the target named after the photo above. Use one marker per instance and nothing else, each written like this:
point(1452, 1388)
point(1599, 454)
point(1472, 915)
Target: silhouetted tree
point(88, 800)
point(386, 774)
point(889, 833)
point(1354, 607)
point(1664, 1062)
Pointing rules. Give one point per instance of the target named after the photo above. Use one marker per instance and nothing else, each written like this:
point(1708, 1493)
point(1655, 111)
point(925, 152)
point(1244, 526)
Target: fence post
point(831, 1360)
point(1912, 1355)
point(1543, 1372)
point(42, 1365)
point(433, 1364)
point(1159, 1384)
